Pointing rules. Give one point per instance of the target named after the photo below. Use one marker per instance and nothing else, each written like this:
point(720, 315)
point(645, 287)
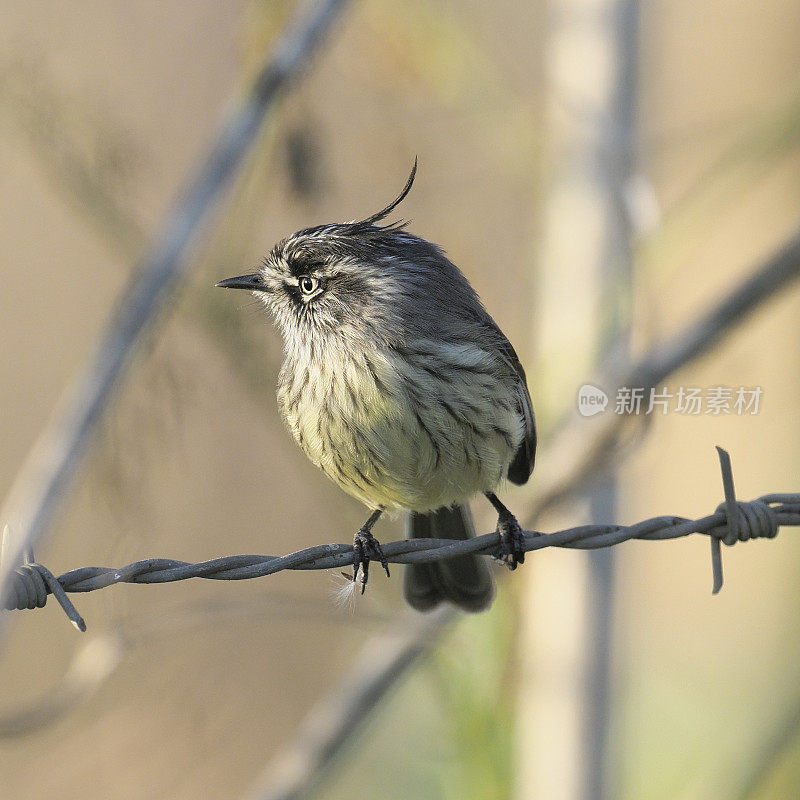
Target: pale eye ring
point(307, 284)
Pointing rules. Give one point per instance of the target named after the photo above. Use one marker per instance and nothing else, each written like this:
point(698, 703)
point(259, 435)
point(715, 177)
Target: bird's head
point(343, 279)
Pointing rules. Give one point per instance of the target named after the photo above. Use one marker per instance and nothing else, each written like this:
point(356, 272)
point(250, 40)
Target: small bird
point(398, 384)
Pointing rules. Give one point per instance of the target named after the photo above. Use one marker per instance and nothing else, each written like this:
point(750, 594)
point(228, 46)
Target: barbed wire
point(733, 521)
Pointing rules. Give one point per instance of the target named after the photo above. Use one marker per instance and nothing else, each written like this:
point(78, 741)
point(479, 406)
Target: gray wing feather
point(521, 467)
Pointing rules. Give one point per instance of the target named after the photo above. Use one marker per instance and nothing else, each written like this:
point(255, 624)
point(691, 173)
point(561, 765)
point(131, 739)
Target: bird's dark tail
point(464, 580)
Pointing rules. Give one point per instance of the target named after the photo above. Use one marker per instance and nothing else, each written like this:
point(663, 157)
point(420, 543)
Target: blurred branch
point(85, 152)
point(87, 155)
point(769, 136)
point(570, 452)
point(732, 310)
point(91, 666)
point(733, 521)
point(332, 723)
point(98, 658)
point(46, 474)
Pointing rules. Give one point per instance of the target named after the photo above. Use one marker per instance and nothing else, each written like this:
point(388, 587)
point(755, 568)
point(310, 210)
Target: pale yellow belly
point(395, 437)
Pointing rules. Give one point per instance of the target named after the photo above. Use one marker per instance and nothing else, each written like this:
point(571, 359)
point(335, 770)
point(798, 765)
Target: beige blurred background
point(104, 108)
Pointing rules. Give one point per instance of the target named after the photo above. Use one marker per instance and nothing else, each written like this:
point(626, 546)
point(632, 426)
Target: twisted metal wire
point(733, 521)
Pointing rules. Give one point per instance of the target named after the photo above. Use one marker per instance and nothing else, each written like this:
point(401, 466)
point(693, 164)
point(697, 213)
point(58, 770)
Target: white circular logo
point(591, 400)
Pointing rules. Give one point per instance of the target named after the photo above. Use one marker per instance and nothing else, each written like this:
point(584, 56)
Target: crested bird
point(401, 388)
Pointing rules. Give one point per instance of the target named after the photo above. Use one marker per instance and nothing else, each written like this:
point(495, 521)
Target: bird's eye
point(308, 285)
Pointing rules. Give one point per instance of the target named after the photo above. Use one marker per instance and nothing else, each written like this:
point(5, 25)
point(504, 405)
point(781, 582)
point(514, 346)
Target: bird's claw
point(365, 548)
point(512, 541)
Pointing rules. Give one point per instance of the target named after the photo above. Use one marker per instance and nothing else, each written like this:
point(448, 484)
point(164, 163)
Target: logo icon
point(591, 400)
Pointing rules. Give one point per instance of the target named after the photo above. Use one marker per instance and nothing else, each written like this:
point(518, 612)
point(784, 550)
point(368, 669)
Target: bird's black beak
point(253, 282)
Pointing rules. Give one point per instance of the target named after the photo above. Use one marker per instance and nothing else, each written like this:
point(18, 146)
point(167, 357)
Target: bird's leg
point(365, 547)
point(512, 540)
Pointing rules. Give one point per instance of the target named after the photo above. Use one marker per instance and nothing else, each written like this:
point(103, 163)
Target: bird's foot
point(512, 540)
point(365, 548)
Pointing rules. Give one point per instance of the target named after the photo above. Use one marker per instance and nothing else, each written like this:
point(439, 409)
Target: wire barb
point(733, 521)
point(30, 587)
point(743, 521)
point(731, 518)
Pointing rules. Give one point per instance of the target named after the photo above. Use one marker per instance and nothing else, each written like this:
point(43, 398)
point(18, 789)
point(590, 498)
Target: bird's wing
point(521, 467)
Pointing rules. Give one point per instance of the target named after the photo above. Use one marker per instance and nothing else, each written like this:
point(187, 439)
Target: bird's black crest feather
point(384, 212)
